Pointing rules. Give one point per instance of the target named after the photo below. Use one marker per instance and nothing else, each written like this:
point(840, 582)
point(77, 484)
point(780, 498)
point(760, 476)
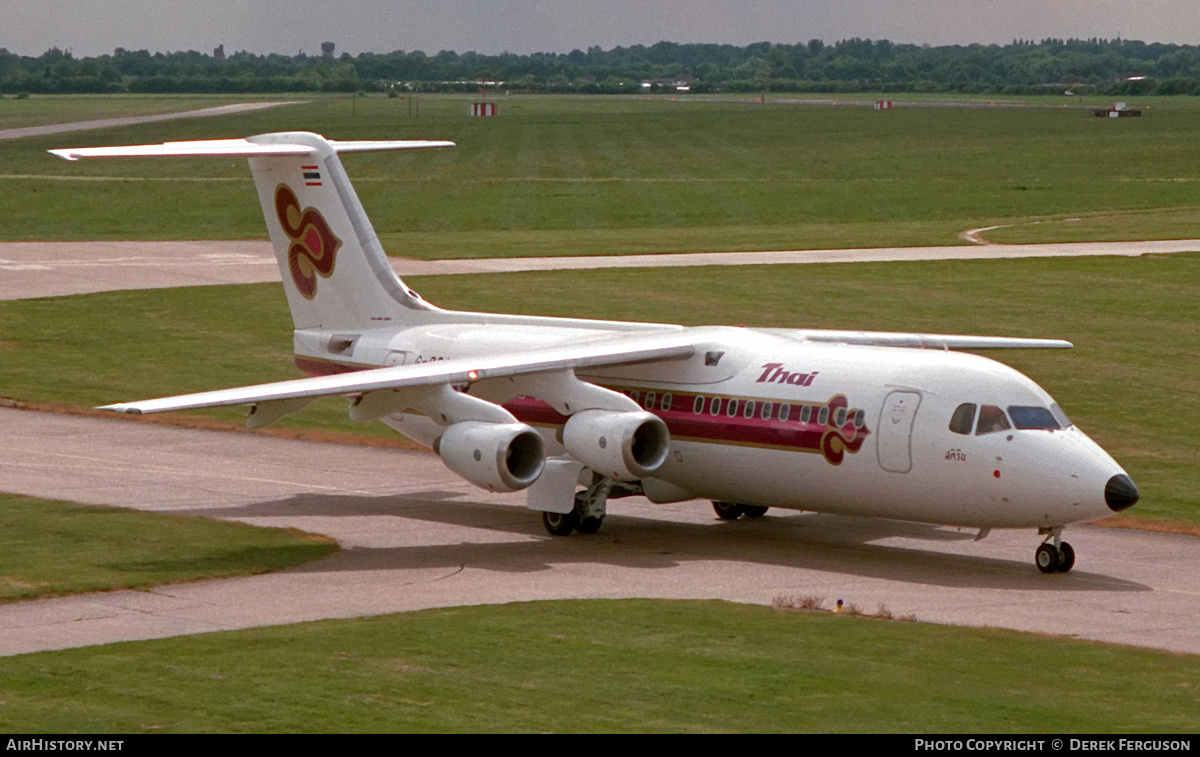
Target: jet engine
point(626, 446)
point(499, 457)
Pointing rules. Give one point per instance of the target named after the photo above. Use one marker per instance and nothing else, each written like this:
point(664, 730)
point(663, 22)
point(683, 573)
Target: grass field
point(628, 666)
point(593, 175)
point(49, 548)
point(1132, 382)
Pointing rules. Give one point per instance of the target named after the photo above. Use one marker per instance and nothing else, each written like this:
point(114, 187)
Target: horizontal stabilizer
point(244, 148)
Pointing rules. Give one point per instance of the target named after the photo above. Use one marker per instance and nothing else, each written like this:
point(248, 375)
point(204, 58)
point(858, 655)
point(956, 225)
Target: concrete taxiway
point(48, 269)
point(416, 536)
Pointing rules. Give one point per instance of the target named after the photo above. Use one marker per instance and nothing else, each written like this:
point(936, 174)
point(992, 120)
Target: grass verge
point(649, 666)
point(50, 548)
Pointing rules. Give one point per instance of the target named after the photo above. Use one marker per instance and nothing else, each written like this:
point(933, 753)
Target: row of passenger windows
point(992, 419)
point(716, 406)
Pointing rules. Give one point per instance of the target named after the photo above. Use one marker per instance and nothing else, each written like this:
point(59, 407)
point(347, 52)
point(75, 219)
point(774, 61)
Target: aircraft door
point(895, 431)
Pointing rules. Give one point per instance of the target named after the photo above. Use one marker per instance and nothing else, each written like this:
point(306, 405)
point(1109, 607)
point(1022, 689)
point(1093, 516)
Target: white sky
point(92, 27)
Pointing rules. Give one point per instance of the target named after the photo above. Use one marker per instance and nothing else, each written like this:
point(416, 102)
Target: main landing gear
point(734, 510)
point(591, 504)
point(586, 517)
point(1055, 555)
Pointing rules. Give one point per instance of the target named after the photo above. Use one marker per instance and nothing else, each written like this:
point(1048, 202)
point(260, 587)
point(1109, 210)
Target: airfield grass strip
point(50, 548)
point(604, 666)
point(571, 171)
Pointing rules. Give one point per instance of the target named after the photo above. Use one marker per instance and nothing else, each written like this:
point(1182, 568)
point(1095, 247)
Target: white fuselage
point(765, 417)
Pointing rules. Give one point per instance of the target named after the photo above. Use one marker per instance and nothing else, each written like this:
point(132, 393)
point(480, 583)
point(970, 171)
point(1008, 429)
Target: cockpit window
point(991, 420)
point(1059, 415)
point(963, 418)
point(1033, 417)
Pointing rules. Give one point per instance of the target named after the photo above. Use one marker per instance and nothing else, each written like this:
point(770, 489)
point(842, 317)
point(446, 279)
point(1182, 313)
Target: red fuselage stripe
point(685, 424)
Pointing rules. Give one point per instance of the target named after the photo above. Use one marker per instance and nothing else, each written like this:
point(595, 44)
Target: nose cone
point(1120, 493)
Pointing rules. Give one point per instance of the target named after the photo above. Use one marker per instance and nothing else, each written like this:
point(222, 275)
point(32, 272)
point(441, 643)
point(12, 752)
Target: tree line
point(1093, 66)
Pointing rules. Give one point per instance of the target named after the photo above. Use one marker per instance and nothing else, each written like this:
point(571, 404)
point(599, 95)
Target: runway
point(52, 269)
point(416, 536)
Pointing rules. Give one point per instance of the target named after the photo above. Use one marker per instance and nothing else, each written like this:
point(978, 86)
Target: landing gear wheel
point(754, 511)
point(560, 524)
point(728, 510)
point(1047, 558)
point(1066, 558)
point(589, 525)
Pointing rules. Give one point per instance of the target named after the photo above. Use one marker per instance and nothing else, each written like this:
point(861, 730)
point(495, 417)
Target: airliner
point(905, 426)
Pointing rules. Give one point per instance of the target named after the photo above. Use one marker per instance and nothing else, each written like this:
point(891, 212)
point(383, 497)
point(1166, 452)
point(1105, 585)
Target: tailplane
point(334, 269)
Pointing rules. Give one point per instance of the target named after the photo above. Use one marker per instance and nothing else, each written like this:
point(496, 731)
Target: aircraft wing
point(930, 341)
point(623, 350)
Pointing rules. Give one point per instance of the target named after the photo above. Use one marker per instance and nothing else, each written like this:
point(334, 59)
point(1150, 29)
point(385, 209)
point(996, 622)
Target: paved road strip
point(52, 269)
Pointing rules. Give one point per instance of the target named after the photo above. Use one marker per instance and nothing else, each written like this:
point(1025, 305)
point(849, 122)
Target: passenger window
point(839, 418)
point(731, 408)
point(665, 405)
point(1032, 417)
point(860, 417)
point(991, 420)
point(805, 413)
point(698, 405)
point(649, 404)
point(963, 418)
point(823, 415)
point(767, 410)
point(749, 411)
point(714, 408)
point(785, 411)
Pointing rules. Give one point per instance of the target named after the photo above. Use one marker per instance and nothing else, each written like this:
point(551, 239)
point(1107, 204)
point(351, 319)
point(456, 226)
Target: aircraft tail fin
point(334, 269)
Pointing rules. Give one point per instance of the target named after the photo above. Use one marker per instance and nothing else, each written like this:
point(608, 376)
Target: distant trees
point(1101, 66)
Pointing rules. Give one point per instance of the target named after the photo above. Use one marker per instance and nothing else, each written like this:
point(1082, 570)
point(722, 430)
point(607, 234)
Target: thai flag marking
point(312, 175)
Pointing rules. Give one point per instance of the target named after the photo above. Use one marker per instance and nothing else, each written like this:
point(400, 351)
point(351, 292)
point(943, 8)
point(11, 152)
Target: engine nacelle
point(499, 457)
point(623, 445)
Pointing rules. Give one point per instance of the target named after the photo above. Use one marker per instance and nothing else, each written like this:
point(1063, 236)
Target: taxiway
point(50, 269)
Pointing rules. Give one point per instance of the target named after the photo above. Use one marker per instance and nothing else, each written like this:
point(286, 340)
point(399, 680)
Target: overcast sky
point(92, 27)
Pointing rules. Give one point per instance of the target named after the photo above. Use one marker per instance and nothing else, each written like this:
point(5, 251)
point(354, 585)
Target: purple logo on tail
point(314, 247)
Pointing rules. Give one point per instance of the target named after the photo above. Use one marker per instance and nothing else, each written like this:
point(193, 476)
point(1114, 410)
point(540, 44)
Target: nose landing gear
point(1055, 555)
